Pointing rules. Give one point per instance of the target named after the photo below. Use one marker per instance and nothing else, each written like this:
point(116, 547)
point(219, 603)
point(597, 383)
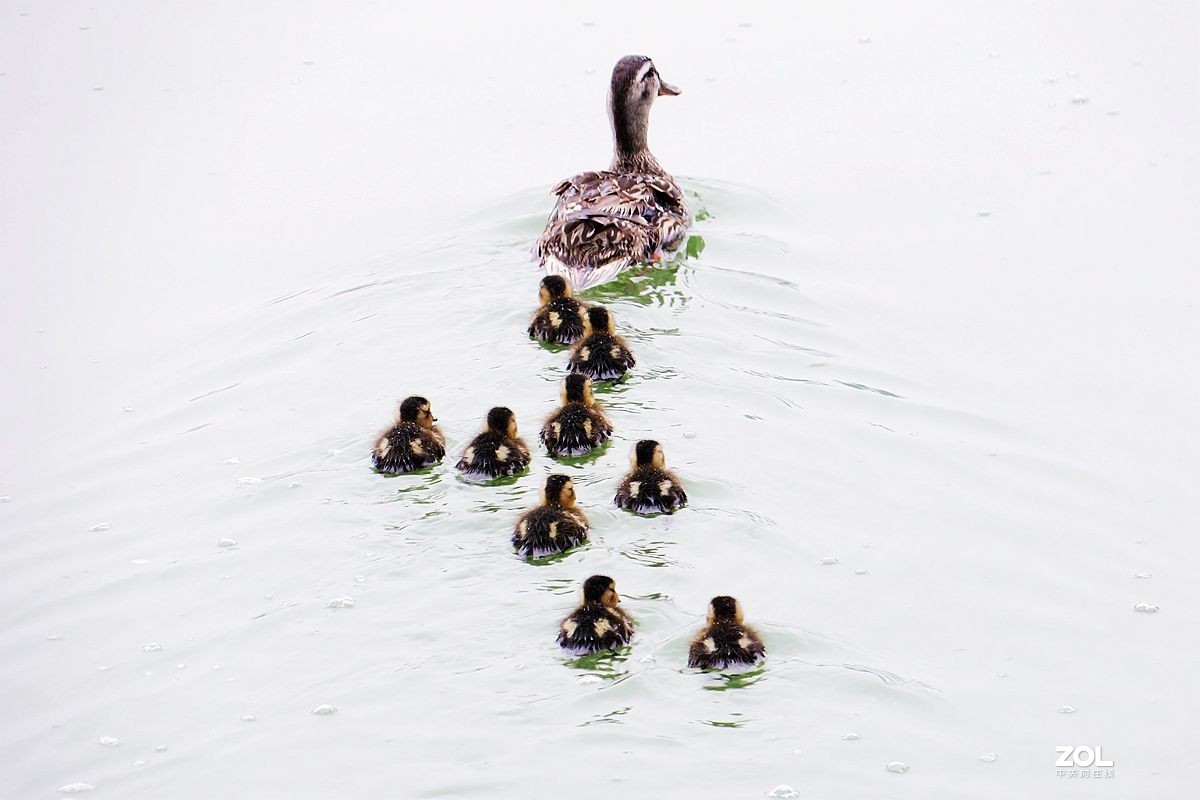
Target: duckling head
point(502, 420)
point(416, 409)
point(601, 589)
point(559, 491)
point(649, 453)
point(599, 320)
point(723, 609)
point(635, 84)
point(577, 388)
point(552, 288)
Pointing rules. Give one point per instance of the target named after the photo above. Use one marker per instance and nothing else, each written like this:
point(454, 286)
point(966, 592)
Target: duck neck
point(631, 153)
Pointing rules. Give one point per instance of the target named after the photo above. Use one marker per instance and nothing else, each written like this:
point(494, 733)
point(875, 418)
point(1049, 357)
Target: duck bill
point(669, 89)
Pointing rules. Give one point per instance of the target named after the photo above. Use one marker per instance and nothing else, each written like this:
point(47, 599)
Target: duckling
point(650, 487)
point(725, 640)
point(580, 425)
point(560, 318)
point(553, 527)
point(599, 623)
point(413, 442)
point(607, 221)
point(601, 354)
point(498, 450)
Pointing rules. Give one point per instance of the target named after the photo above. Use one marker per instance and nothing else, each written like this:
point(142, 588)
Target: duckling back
point(492, 454)
point(724, 644)
point(601, 356)
point(407, 447)
point(575, 429)
point(560, 321)
point(546, 530)
point(593, 627)
point(649, 490)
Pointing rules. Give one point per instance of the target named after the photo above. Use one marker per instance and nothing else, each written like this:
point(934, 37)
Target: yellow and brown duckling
point(559, 319)
point(725, 641)
point(554, 526)
point(650, 487)
point(580, 425)
point(599, 623)
point(498, 450)
point(601, 354)
point(413, 442)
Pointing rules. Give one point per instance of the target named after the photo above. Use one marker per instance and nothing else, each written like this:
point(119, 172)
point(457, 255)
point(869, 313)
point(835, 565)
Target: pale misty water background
point(930, 386)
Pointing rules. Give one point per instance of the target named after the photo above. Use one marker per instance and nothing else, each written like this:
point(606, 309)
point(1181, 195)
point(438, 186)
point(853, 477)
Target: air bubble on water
point(151, 647)
point(109, 741)
point(1066, 709)
point(324, 710)
point(1146, 608)
point(898, 767)
point(342, 602)
point(860, 571)
point(248, 718)
point(689, 434)
point(75, 788)
point(783, 790)
point(1079, 99)
point(100, 526)
point(828, 561)
point(232, 460)
point(850, 737)
point(226, 543)
point(293, 484)
point(1143, 575)
point(249, 481)
point(988, 757)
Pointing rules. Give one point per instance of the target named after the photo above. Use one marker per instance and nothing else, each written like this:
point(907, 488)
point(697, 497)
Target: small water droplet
point(1079, 99)
point(162, 748)
point(689, 434)
point(988, 757)
point(1066, 709)
point(1146, 608)
point(850, 737)
point(341, 602)
point(860, 571)
point(141, 762)
point(127, 409)
point(248, 718)
point(100, 526)
point(293, 484)
point(898, 767)
point(75, 788)
point(84, 27)
point(226, 543)
point(109, 741)
point(828, 561)
point(1143, 575)
point(97, 88)
point(151, 647)
point(324, 710)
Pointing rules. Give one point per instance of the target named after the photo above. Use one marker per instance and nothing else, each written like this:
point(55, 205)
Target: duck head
point(724, 609)
point(601, 589)
point(577, 388)
point(552, 288)
point(559, 491)
point(635, 84)
point(416, 409)
point(501, 420)
point(649, 453)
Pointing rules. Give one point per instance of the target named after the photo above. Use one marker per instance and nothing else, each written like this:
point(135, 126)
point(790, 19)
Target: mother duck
point(631, 213)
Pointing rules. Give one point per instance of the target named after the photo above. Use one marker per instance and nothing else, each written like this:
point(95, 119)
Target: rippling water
point(939, 455)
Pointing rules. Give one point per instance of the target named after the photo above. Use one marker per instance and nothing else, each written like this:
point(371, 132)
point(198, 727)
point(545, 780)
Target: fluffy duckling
point(553, 527)
point(560, 316)
point(650, 487)
point(725, 640)
point(413, 442)
point(498, 450)
point(599, 623)
point(601, 354)
point(580, 425)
